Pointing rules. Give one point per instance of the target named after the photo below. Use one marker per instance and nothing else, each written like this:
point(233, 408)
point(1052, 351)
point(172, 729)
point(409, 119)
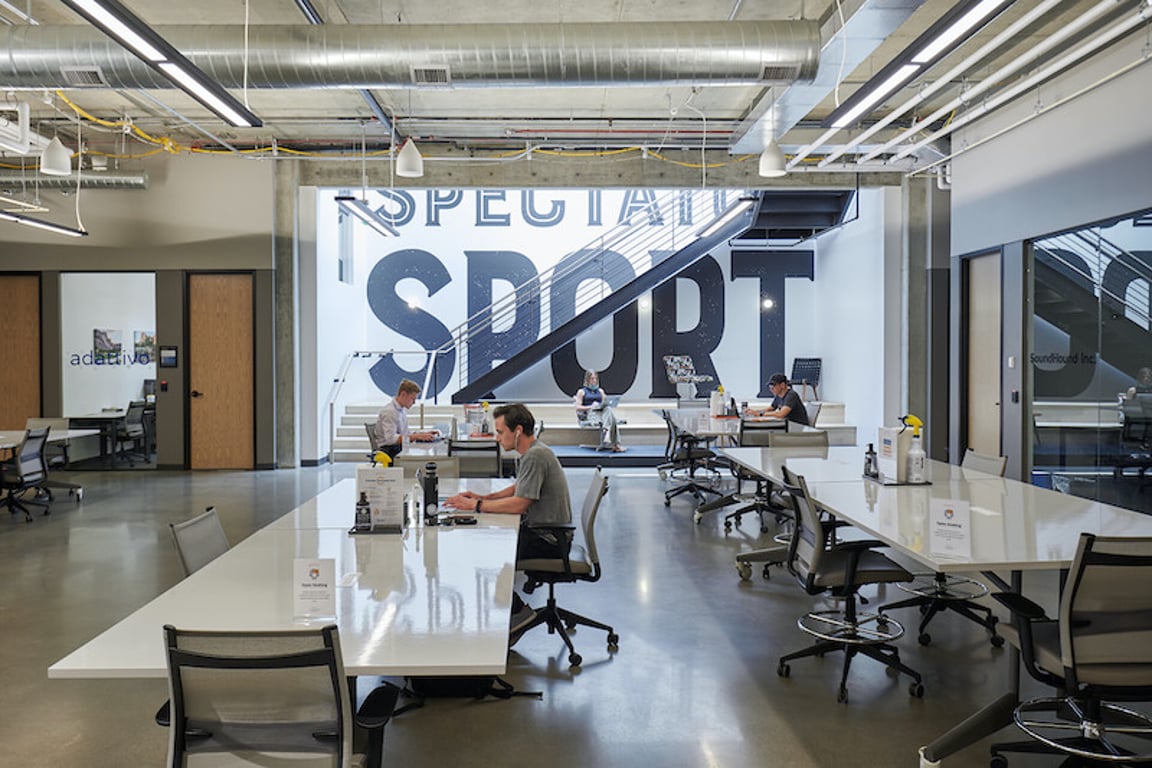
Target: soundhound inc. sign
point(108, 349)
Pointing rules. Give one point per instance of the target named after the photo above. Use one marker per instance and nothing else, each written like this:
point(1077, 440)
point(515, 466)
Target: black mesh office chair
point(822, 564)
point(751, 434)
point(685, 454)
point(271, 698)
point(27, 471)
point(132, 436)
point(573, 563)
point(1096, 653)
point(938, 592)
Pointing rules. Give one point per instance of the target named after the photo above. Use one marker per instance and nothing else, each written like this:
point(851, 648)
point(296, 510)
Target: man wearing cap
point(786, 404)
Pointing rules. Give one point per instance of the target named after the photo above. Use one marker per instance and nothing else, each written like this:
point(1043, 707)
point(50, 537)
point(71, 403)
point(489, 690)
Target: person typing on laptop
point(392, 423)
point(595, 409)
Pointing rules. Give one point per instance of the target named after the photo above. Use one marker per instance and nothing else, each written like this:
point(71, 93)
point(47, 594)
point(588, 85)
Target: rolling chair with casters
point(821, 565)
point(268, 698)
point(1096, 653)
point(131, 432)
point(938, 592)
point(572, 564)
point(57, 456)
point(27, 471)
point(688, 454)
point(751, 434)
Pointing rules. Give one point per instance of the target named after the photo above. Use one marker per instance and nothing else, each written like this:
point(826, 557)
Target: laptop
point(612, 402)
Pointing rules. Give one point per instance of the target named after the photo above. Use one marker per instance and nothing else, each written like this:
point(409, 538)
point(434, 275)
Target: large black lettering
point(771, 267)
point(1062, 284)
point(412, 322)
point(486, 345)
point(698, 342)
point(614, 269)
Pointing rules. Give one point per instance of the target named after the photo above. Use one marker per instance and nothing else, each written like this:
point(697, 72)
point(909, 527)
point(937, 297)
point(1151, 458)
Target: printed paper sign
point(951, 527)
point(314, 588)
point(384, 487)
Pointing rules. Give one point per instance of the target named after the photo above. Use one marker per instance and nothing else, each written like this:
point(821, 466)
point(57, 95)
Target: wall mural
point(453, 260)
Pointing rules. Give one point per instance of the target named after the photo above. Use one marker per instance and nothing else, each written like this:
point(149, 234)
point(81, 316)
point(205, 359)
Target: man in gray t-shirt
point(540, 496)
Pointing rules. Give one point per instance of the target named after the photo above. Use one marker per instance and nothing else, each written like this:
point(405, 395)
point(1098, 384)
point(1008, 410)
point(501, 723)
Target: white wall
point(120, 302)
point(1086, 160)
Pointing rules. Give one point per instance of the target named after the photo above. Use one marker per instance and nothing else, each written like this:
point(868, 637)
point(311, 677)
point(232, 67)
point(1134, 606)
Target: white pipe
point(1017, 64)
point(1033, 115)
point(16, 137)
point(1009, 34)
point(1094, 44)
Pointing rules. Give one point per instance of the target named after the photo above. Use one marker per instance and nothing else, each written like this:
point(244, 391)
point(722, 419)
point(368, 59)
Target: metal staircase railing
point(647, 237)
point(1098, 253)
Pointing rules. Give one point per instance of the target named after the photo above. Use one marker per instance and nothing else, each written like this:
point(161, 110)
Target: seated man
point(540, 497)
point(592, 411)
point(392, 423)
point(786, 404)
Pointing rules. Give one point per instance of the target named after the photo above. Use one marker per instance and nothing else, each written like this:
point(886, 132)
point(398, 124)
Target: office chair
point(751, 434)
point(681, 370)
point(821, 564)
point(806, 373)
point(131, 432)
point(27, 471)
point(1096, 652)
point(199, 540)
point(267, 698)
point(573, 563)
point(1135, 439)
point(938, 592)
point(478, 458)
point(685, 453)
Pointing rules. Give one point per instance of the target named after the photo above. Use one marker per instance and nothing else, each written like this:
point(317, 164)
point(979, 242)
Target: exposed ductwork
point(409, 56)
point(88, 180)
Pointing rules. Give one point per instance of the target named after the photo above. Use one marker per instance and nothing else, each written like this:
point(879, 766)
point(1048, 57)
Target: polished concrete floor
point(693, 682)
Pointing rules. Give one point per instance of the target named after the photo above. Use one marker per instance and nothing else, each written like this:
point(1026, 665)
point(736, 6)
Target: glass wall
point(1091, 361)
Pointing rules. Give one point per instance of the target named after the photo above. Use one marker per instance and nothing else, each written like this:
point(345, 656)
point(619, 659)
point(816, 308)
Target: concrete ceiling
point(501, 121)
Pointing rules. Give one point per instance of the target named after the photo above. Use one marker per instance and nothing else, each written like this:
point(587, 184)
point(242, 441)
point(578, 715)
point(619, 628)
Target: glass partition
point(1091, 360)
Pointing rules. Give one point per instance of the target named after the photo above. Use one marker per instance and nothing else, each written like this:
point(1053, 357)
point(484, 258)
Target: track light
point(772, 161)
point(409, 161)
point(126, 28)
point(28, 221)
point(56, 159)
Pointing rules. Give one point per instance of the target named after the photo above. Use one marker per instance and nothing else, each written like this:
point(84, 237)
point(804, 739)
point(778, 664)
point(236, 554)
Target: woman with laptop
point(595, 409)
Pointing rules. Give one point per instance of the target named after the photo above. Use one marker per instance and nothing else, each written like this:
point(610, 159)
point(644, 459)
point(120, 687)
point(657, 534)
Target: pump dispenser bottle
point(917, 459)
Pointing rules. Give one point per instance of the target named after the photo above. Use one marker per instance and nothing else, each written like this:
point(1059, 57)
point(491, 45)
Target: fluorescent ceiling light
point(878, 94)
point(955, 31)
point(59, 229)
point(729, 215)
point(121, 24)
point(116, 26)
point(361, 210)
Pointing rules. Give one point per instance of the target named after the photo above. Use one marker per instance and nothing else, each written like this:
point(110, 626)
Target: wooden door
point(220, 372)
point(20, 330)
point(983, 321)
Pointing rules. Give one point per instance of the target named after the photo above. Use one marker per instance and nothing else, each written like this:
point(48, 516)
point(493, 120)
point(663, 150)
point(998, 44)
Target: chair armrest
point(164, 714)
point(564, 535)
point(858, 545)
point(377, 708)
point(1020, 606)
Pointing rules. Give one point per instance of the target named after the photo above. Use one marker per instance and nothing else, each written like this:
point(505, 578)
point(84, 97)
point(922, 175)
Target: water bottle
point(431, 493)
point(363, 513)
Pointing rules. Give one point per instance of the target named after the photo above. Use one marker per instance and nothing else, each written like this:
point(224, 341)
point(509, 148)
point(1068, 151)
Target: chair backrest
point(982, 462)
point(813, 411)
point(753, 433)
point(806, 370)
point(596, 490)
point(57, 450)
point(373, 440)
point(670, 446)
point(808, 543)
point(781, 439)
point(477, 448)
point(31, 463)
point(679, 368)
point(199, 541)
point(134, 416)
point(253, 692)
point(1106, 613)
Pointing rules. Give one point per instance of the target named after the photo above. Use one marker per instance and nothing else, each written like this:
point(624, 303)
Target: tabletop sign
point(314, 588)
point(951, 530)
point(384, 487)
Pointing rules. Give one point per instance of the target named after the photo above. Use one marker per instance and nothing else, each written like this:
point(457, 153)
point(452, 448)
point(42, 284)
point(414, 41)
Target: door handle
point(196, 393)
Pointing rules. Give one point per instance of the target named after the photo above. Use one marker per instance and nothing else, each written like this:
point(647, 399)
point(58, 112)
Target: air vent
point(782, 73)
point(433, 77)
point(84, 77)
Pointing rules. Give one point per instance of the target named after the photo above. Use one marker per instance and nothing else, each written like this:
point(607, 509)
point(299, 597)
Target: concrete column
point(286, 331)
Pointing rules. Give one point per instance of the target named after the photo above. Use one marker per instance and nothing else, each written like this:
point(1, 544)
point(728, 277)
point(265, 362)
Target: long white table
point(11, 438)
point(430, 601)
point(1009, 525)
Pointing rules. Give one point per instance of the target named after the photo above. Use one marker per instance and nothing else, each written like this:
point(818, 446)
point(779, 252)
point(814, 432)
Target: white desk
point(11, 438)
point(431, 601)
point(1011, 525)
